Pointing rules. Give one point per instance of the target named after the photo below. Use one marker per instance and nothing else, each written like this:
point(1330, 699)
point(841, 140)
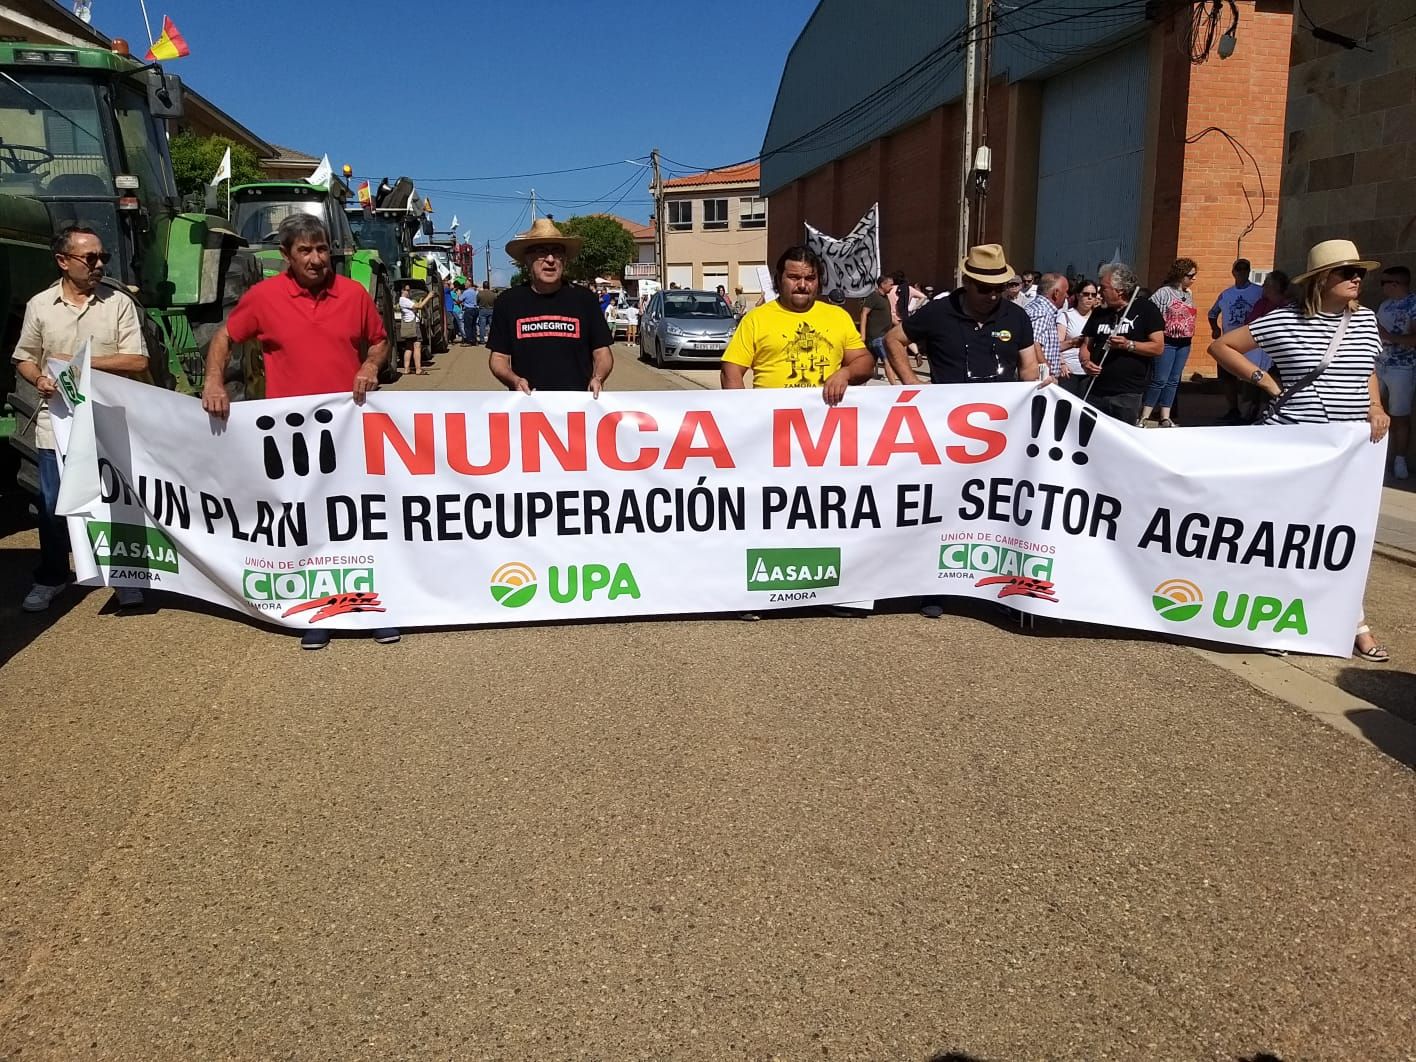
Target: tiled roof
point(748, 172)
point(285, 154)
point(634, 228)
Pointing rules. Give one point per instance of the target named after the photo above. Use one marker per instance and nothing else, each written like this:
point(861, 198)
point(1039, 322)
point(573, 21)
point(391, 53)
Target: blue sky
point(532, 88)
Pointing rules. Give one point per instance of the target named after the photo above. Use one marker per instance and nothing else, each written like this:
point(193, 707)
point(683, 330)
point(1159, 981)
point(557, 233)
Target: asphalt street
point(805, 838)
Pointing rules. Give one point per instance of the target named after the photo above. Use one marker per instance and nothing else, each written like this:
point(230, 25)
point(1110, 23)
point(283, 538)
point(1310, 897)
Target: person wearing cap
point(972, 335)
point(547, 335)
point(1326, 349)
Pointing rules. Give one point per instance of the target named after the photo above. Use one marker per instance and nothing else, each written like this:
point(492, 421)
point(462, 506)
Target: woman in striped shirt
point(1298, 338)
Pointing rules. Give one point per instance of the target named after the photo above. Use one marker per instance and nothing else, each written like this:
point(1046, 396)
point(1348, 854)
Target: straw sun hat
point(543, 230)
point(1334, 254)
point(987, 264)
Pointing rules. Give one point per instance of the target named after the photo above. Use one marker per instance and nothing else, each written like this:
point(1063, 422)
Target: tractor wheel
point(245, 371)
point(439, 341)
point(25, 400)
point(383, 302)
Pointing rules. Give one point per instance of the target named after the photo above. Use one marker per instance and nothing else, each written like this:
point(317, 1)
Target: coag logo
point(513, 584)
point(992, 560)
point(134, 546)
point(305, 584)
point(1178, 600)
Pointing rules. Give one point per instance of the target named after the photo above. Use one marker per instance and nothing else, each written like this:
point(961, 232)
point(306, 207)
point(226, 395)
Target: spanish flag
point(366, 198)
point(170, 45)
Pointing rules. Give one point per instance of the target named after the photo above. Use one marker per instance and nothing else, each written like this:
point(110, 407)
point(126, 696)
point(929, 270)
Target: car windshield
point(378, 234)
point(258, 219)
point(696, 306)
point(51, 137)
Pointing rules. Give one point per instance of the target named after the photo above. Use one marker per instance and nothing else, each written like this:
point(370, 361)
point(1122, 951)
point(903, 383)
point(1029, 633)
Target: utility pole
point(985, 72)
point(966, 160)
point(658, 220)
point(489, 261)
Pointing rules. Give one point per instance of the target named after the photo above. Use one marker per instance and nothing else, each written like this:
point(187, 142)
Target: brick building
point(1349, 165)
point(1105, 136)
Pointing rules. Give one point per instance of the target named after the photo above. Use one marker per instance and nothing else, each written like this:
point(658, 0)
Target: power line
point(539, 173)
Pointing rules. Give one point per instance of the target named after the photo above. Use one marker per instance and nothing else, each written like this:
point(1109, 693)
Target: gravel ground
point(805, 838)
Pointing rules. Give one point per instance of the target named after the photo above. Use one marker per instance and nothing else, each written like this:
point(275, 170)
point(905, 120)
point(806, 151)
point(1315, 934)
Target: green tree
point(608, 248)
point(195, 159)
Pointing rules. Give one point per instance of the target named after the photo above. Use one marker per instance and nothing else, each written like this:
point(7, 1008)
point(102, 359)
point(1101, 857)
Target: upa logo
point(1178, 600)
point(513, 584)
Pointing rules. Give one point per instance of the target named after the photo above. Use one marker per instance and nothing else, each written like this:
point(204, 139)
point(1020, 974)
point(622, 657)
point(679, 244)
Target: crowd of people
point(1308, 348)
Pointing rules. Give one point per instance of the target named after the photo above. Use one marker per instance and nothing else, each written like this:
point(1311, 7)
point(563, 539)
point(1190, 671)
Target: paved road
point(805, 838)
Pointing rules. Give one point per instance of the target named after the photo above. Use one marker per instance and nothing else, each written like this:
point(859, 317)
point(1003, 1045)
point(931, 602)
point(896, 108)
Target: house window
point(753, 213)
point(715, 213)
point(680, 215)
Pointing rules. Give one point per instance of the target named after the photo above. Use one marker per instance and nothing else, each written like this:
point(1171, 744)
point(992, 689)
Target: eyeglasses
point(546, 251)
point(93, 259)
point(1087, 294)
point(991, 289)
point(1350, 272)
point(1191, 275)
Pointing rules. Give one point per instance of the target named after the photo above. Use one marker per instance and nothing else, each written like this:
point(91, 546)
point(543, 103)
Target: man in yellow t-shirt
point(796, 341)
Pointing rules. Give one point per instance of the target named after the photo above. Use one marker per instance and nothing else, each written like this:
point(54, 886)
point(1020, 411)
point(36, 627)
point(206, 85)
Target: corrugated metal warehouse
point(1107, 130)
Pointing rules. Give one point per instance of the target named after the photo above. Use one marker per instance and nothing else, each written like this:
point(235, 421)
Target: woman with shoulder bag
point(1177, 308)
point(1327, 346)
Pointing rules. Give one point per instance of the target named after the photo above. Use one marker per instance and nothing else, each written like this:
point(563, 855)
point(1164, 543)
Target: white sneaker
point(40, 597)
point(1398, 468)
point(129, 597)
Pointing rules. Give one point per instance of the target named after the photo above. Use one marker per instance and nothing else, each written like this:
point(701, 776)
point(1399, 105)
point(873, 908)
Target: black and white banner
point(852, 263)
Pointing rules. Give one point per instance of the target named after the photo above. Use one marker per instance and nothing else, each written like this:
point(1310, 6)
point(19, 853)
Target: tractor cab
point(257, 211)
point(82, 140)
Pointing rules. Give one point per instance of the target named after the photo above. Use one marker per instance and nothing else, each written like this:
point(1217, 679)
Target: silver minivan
point(685, 326)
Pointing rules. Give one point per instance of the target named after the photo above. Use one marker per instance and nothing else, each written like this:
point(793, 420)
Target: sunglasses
point(1087, 294)
point(1351, 272)
point(991, 289)
point(1191, 275)
point(93, 259)
point(544, 251)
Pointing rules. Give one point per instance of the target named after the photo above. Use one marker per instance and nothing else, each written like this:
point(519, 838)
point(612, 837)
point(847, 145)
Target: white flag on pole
point(223, 172)
point(454, 222)
point(323, 174)
point(78, 479)
point(852, 262)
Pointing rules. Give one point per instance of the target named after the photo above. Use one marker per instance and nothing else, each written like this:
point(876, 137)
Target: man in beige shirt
point(57, 322)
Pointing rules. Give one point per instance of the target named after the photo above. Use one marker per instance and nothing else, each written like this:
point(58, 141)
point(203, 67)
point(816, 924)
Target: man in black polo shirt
point(548, 335)
point(972, 335)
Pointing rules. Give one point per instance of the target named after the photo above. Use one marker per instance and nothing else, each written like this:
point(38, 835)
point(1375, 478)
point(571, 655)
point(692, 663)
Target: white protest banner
point(423, 508)
point(852, 263)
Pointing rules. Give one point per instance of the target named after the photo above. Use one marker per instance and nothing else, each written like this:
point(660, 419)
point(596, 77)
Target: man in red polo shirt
point(320, 334)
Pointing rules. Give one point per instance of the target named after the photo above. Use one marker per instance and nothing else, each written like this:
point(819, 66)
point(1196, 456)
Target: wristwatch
point(1256, 376)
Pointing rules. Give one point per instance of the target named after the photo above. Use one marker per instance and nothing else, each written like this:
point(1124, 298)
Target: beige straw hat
point(987, 264)
point(1333, 254)
point(543, 230)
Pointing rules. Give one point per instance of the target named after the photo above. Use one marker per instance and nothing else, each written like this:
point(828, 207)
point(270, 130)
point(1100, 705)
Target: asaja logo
point(513, 584)
point(131, 546)
point(1178, 600)
point(795, 569)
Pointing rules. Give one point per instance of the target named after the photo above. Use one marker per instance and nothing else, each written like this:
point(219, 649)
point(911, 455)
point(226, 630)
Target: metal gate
point(1091, 161)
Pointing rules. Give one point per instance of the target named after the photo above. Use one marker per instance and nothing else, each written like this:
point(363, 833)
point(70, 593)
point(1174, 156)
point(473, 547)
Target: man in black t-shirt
point(1119, 348)
point(973, 335)
point(548, 335)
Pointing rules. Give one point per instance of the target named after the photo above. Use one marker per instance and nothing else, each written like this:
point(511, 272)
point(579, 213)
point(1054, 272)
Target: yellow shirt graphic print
point(786, 349)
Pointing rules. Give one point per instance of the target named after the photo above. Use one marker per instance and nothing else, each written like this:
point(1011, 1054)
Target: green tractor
point(389, 229)
point(83, 142)
point(258, 209)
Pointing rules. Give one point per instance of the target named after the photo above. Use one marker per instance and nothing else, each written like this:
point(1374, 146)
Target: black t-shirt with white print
point(550, 338)
point(1122, 373)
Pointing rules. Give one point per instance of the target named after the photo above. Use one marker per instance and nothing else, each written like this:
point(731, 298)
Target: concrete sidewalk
point(1396, 526)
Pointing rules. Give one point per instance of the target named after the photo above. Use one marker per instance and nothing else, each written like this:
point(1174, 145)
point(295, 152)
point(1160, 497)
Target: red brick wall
point(1246, 96)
